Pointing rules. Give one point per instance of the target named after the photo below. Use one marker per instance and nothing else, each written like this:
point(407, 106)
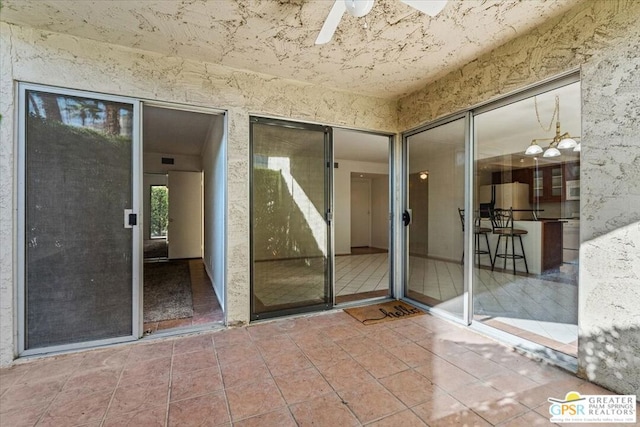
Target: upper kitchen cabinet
point(548, 184)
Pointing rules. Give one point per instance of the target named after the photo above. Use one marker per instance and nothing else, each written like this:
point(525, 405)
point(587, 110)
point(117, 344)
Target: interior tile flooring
point(542, 309)
point(326, 369)
point(206, 308)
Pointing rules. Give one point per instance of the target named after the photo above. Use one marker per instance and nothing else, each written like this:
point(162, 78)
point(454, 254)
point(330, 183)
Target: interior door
point(184, 234)
point(290, 217)
point(360, 212)
point(79, 169)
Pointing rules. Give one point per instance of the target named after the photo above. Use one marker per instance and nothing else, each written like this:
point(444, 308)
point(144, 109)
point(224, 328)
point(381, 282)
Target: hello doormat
point(392, 310)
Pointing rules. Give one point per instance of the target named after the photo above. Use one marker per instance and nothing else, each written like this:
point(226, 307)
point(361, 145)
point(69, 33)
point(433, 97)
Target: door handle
point(406, 217)
point(130, 218)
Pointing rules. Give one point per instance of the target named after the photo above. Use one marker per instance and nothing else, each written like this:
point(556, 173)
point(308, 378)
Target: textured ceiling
point(399, 52)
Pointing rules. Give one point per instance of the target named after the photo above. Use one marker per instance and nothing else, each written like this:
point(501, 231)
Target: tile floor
point(539, 308)
point(324, 370)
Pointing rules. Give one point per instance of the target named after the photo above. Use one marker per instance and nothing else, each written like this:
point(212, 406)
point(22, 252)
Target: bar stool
point(502, 222)
point(477, 232)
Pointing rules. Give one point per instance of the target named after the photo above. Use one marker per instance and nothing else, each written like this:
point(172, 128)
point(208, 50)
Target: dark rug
point(377, 313)
point(167, 291)
point(156, 248)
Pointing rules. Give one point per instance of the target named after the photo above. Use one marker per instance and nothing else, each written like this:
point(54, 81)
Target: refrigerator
point(512, 195)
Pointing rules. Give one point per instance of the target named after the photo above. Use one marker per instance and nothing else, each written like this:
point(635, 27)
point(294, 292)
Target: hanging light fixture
point(561, 141)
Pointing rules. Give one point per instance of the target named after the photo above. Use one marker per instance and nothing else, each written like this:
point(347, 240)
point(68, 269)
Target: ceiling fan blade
point(331, 24)
point(430, 7)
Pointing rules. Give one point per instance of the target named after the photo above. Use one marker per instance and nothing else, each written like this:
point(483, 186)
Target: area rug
point(167, 291)
point(378, 313)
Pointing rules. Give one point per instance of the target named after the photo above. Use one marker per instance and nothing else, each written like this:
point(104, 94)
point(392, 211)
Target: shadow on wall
point(281, 228)
point(611, 358)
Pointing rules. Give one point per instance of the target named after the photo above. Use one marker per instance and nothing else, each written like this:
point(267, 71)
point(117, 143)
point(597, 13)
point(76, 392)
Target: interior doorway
point(362, 215)
point(156, 208)
point(182, 169)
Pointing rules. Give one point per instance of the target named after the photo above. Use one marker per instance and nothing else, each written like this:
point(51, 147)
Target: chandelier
point(561, 141)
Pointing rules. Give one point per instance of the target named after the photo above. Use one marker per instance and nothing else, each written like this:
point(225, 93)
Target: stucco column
point(238, 250)
point(609, 294)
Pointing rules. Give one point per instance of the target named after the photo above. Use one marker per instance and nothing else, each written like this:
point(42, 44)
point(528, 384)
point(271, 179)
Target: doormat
point(377, 313)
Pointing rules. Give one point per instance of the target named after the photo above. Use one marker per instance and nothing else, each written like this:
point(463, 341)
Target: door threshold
point(185, 330)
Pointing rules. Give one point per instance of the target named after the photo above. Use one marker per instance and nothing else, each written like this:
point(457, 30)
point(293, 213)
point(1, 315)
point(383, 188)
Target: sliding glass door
point(493, 215)
point(290, 217)
point(77, 189)
point(435, 172)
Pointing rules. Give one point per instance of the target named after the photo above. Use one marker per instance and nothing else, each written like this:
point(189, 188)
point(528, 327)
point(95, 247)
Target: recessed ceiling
point(360, 146)
point(170, 131)
point(400, 51)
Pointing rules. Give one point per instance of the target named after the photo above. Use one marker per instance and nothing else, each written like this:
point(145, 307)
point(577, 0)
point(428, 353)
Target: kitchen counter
point(542, 245)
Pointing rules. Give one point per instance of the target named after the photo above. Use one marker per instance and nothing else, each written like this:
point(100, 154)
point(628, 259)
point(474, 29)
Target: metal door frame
point(136, 259)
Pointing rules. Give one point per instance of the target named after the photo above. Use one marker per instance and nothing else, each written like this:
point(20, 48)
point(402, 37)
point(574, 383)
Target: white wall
point(153, 163)
point(380, 212)
point(446, 195)
point(149, 180)
point(342, 199)
point(214, 163)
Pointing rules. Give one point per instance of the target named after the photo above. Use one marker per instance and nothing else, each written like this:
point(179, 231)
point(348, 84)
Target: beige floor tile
point(410, 387)
point(254, 399)
point(136, 397)
point(279, 418)
point(242, 373)
point(381, 364)
point(529, 419)
point(302, 385)
point(284, 363)
point(445, 411)
point(194, 361)
point(191, 344)
point(345, 374)
point(403, 418)
point(207, 410)
point(326, 410)
point(195, 383)
point(76, 407)
point(370, 401)
point(148, 417)
point(325, 369)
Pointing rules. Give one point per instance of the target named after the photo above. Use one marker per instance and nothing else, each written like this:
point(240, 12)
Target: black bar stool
point(477, 232)
point(502, 222)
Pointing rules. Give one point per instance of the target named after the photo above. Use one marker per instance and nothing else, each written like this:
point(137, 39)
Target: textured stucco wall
point(609, 344)
point(60, 60)
point(603, 38)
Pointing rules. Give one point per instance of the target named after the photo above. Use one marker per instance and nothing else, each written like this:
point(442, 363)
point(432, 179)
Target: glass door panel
point(362, 215)
point(531, 288)
point(290, 202)
point(78, 254)
point(435, 186)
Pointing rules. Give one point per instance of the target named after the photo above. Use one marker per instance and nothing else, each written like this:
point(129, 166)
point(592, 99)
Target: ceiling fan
point(359, 8)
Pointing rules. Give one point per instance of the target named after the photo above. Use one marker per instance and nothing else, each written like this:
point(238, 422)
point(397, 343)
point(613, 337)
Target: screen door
point(78, 166)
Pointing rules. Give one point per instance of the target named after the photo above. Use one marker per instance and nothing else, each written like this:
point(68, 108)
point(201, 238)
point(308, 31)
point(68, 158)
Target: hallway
point(324, 369)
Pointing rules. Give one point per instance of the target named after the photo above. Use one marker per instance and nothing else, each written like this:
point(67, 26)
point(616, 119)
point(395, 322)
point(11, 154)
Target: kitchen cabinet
point(548, 184)
point(551, 245)
point(543, 246)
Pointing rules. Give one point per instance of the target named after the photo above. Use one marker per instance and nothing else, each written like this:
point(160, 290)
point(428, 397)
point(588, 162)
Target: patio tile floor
point(323, 369)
